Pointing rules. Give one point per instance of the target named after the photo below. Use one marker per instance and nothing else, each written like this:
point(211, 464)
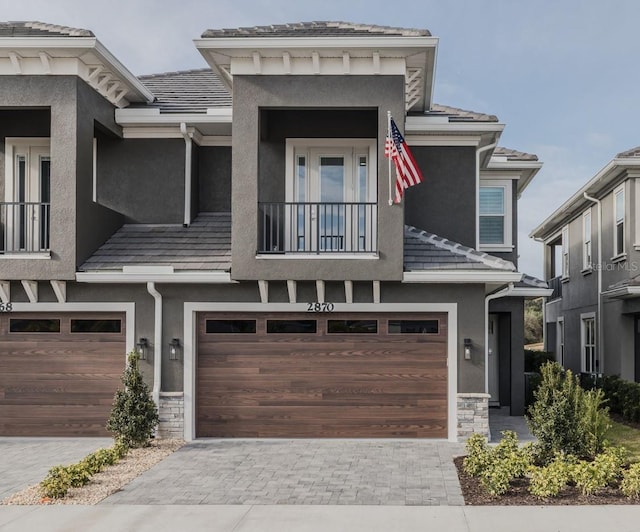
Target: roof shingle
point(40, 29)
point(315, 29)
point(460, 115)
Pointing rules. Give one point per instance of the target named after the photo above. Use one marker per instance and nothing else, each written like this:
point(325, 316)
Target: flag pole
point(389, 158)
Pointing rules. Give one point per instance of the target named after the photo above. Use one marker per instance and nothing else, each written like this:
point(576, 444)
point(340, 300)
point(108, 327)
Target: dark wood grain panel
point(322, 385)
point(58, 384)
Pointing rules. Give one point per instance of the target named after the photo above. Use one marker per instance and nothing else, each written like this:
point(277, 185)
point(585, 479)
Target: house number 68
point(6, 307)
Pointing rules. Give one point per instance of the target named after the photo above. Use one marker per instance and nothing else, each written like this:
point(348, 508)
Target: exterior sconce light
point(142, 346)
point(174, 349)
point(467, 348)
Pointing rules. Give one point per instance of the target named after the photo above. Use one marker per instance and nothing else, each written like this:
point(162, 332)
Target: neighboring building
point(592, 262)
point(234, 223)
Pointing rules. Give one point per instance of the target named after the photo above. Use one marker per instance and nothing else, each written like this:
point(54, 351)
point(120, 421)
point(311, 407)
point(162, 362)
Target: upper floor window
point(618, 227)
point(590, 358)
point(565, 252)
point(586, 246)
point(495, 215)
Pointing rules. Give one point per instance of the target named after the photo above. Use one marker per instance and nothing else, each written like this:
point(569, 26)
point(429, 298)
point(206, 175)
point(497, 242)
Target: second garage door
point(59, 372)
point(322, 375)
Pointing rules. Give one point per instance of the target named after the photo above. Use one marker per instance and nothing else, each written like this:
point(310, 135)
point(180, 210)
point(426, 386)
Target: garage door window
point(352, 326)
point(34, 326)
point(292, 326)
point(96, 326)
point(413, 326)
point(231, 326)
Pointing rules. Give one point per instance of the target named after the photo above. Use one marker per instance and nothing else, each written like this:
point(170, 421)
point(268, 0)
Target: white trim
point(190, 342)
point(621, 189)
point(5, 291)
point(506, 186)
point(565, 265)
point(176, 277)
point(583, 317)
point(426, 124)
point(587, 257)
point(348, 292)
point(216, 140)
point(60, 290)
point(320, 291)
point(292, 289)
point(461, 276)
point(374, 42)
point(560, 340)
point(151, 117)
point(443, 140)
point(31, 289)
point(95, 306)
point(263, 287)
point(530, 292)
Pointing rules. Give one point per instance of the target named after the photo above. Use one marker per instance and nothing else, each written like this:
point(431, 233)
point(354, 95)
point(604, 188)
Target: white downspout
point(157, 342)
point(502, 293)
point(545, 347)
point(600, 339)
point(188, 148)
point(478, 152)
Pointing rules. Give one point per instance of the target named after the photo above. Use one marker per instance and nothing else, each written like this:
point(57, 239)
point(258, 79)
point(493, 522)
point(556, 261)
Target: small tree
point(134, 415)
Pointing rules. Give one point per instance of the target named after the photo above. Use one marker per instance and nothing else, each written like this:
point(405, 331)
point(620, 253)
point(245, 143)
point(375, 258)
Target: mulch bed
point(518, 495)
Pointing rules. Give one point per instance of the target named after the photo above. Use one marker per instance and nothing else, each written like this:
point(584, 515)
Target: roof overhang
point(461, 276)
point(414, 57)
point(215, 122)
point(607, 178)
point(625, 292)
point(84, 57)
point(179, 277)
point(435, 130)
point(526, 169)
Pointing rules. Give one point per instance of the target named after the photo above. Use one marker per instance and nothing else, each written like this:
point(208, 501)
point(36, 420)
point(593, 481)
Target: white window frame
point(617, 252)
point(587, 237)
point(94, 181)
point(507, 186)
point(592, 347)
point(560, 339)
point(565, 263)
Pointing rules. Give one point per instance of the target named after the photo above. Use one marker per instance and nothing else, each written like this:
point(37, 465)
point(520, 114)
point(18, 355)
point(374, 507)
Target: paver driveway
point(25, 461)
point(389, 472)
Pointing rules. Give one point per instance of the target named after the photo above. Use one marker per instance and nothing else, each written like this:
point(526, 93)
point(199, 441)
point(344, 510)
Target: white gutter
point(461, 276)
point(502, 293)
point(599, 341)
point(478, 152)
point(191, 277)
point(157, 342)
point(188, 149)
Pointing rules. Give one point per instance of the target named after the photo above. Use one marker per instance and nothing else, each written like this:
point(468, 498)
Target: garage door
point(59, 372)
point(322, 375)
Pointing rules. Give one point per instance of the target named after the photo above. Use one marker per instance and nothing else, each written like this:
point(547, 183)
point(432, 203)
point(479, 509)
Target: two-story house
point(592, 261)
point(234, 225)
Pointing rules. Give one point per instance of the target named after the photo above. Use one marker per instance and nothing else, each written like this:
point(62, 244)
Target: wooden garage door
point(322, 375)
point(59, 372)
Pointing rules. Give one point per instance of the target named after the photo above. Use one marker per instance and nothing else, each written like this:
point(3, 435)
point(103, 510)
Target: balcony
point(24, 228)
point(317, 228)
point(556, 285)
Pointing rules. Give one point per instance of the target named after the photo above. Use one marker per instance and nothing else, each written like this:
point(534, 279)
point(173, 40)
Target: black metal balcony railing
point(24, 227)
point(317, 227)
point(556, 285)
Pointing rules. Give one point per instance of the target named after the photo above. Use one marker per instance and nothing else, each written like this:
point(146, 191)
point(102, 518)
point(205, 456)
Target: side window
point(619, 220)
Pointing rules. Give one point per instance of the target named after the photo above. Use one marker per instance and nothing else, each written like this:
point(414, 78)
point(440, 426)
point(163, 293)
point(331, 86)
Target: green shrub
point(497, 477)
point(534, 360)
point(57, 482)
point(134, 415)
point(478, 455)
point(565, 418)
point(549, 481)
point(603, 471)
point(623, 397)
point(630, 484)
point(79, 474)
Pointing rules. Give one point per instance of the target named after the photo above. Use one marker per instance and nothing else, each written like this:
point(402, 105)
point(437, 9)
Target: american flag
point(407, 171)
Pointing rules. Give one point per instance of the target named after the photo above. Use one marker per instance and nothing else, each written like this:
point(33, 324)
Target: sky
point(562, 75)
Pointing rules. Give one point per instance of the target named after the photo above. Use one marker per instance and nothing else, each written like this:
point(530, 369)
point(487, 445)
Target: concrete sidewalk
point(225, 518)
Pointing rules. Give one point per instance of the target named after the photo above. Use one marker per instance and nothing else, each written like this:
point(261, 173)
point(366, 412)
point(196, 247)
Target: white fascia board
point(626, 292)
point(171, 278)
point(530, 292)
point(456, 276)
point(567, 211)
point(292, 43)
point(418, 124)
point(443, 140)
point(133, 117)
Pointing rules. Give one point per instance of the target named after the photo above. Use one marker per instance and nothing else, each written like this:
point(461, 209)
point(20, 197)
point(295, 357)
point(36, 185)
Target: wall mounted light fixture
point(174, 349)
point(142, 347)
point(467, 348)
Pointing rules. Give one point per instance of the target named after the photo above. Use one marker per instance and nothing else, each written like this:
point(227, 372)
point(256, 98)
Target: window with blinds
point(492, 215)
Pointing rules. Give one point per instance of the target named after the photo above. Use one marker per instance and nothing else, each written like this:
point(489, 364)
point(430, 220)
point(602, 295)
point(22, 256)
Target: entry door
point(28, 201)
point(493, 368)
point(331, 187)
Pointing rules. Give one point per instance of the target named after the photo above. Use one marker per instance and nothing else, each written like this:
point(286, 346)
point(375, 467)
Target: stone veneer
point(473, 414)
point(171, 411)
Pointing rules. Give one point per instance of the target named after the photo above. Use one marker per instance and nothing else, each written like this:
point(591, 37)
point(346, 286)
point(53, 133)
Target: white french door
point(332, 196)
point(27, 196)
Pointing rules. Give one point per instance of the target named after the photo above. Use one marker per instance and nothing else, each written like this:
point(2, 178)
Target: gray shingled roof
point(40, 29)
point(514, 155)
point(633, 152)
point(189, 91)
point(426, 251)
point(529, 281)
point(205, 245)
point(460, 115)
point(316, 29)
